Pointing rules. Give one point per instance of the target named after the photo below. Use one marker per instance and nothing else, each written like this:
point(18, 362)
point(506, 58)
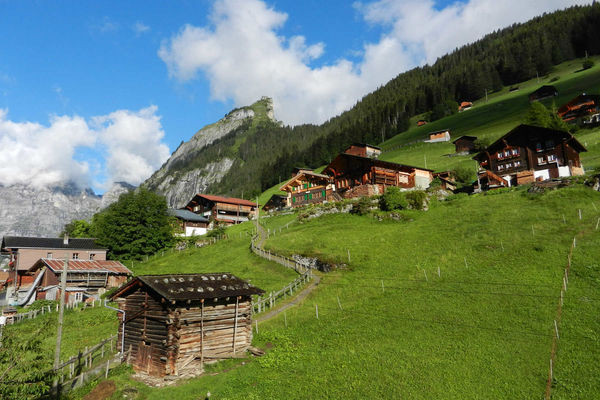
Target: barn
point(174, 323)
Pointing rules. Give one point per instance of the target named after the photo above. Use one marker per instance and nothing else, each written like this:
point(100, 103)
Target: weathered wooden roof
point(183, 287)
point(228, 200)
point(92, 266)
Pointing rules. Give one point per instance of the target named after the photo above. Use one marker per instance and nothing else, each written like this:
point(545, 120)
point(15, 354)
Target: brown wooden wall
point(145, 331)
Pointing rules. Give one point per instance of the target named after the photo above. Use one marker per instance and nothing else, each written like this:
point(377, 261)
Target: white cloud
point(133, 143)
point(139, 28)
point(44, 155)
point(243, 56)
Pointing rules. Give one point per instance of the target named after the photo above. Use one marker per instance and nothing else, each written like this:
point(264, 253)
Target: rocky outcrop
point(180, 177)
point(43, 212)
point(178, 192)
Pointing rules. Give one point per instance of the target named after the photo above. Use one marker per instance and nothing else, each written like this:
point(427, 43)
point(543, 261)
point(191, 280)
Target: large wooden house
point(85, 279)
point(529, 153)
point(356, 176)
point(221, 209)
point(584, 108)
point(307, 187)
point(173, 323)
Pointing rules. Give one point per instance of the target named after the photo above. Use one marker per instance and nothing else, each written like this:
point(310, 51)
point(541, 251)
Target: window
point(551, 157)
point(78, 297)
point(500, 167)
point(515, 152)
point(517, 164)
point(508, 165)
point(507, 153)
point(49, 255)
point(92, 255)
point(538, 146)
point(323, 193)
point(293, 199)
point(310, 196)
point(75, 256)
point(306, 196)
point(500, 155)
point(549, 144)
point(541, 160)
point(305, 186)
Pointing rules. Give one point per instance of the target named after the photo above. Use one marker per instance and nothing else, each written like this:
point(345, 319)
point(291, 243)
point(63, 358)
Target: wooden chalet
point(465, 144)
point(221, 209)
point(439, 136)
point(85, 279)
point(465, 105)
point(356, 176)
point(174, 323)
point(421, 122)
point(543, 92)
point(530, 153)
point(584, 108)
point(308, 187)
point(190, 223)
point(276, 202)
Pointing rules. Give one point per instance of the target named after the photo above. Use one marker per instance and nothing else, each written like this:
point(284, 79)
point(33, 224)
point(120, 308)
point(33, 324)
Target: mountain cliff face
point(43, 212)
point(201, 163)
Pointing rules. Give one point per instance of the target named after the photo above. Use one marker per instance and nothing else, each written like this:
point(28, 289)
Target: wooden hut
point(173, 323)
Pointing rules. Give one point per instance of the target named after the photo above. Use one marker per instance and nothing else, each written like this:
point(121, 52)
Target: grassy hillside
point(390, 327)
point(503, 111)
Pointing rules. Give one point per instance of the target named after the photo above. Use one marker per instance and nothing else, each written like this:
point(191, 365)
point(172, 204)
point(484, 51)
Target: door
point(144, 357)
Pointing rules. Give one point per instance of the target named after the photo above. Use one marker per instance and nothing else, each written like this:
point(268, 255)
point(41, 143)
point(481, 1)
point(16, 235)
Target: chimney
point(66, 239)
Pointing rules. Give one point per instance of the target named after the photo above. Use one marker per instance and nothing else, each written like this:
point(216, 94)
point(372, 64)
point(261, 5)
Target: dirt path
point(297, 299)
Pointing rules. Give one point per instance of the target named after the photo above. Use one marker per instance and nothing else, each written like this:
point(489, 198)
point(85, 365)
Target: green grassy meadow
point(503, 111)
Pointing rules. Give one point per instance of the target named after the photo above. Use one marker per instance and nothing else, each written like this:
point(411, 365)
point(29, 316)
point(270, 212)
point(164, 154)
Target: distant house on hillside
point(85, 279)
point(221, 209)
point(465, 144)
point(447, 180)
point(543, 92)
point(465, 105)
point(530, 153)
point(421, 122)
point(175, 323)
point(584, 108)
point(24, 252)
point(191, 223)
point(439, 136)
point(356, 176)
point(364, 150)
point(307, 187)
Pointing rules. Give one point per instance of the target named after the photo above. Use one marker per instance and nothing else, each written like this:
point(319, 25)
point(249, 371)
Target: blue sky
point(100, 91)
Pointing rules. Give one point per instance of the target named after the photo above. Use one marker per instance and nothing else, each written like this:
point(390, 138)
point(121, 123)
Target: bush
point(393, 199)
point(416, 199)
point(464, 175)
point(362, 206)
point(587, 64)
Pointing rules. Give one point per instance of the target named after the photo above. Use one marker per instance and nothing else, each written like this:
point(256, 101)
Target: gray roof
point(180, 287)
point(187, 215)
point(23, 242)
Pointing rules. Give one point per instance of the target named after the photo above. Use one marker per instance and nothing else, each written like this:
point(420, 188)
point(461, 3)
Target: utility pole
point(486, 95)
point(63, 286)
point(257, 215)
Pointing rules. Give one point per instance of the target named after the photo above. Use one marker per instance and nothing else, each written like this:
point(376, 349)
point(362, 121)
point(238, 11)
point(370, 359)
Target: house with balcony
point(221, 209)
point(584, 108)
point(357, 176)
point(308, 187)
point(530, 153)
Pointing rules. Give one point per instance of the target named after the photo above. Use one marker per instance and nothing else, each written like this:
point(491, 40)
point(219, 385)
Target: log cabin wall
point(212, 330)
point(146, 331)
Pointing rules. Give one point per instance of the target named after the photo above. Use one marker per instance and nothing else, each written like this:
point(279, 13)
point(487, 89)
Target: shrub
point(416, 199)
point(587, 64)
point(362, 206)
point(393, 199)
point(464, 175)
